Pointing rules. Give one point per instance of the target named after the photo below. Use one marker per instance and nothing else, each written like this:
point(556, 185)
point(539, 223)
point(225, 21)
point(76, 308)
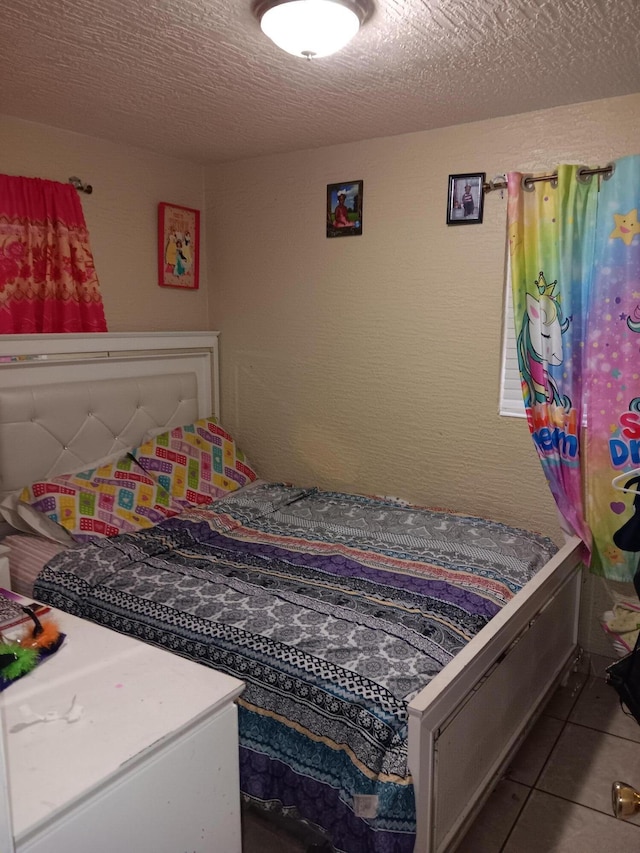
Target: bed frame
point(465, 726)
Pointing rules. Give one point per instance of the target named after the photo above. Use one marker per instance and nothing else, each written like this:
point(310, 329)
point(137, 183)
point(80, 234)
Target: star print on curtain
point(48, 281)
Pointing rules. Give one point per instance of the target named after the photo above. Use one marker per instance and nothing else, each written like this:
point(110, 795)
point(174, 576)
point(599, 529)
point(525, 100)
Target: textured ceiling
point(198, 80)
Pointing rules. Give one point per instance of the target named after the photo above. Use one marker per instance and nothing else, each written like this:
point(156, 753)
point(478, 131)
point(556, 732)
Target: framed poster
point(465, 199)
point(344, 209)
point(178, 246)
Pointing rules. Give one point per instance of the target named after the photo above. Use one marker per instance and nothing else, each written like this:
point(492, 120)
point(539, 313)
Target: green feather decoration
point(25, 660)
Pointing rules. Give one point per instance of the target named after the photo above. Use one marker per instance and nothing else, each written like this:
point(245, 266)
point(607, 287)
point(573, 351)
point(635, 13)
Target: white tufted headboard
point(67, 400)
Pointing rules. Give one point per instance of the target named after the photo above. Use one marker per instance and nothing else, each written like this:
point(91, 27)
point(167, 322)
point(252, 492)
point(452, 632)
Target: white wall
point(121, 215)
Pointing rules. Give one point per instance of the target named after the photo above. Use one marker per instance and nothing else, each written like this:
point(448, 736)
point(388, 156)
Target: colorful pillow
point(117, 497)
point(197, 463)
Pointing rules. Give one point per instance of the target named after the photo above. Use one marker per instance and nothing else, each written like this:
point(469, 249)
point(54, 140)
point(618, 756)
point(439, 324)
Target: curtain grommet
point(584, 173)
point(527, 183)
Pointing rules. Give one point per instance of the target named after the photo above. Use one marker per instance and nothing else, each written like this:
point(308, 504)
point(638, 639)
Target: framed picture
point(465, 199)
point(344, 209)
point(178, 246)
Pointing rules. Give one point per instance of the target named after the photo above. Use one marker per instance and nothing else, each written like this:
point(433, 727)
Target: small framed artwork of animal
point(466, 199)
point(344, 209)
point(178, 246)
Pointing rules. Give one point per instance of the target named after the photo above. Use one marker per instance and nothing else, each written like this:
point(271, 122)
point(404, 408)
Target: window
point(511, 403)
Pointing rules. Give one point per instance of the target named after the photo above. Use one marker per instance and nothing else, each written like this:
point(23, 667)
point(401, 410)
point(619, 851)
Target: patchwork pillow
point(197, 463)
point(117, 497)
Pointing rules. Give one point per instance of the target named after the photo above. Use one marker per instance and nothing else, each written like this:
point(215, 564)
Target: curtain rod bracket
point(81, 186)
point(498, 183)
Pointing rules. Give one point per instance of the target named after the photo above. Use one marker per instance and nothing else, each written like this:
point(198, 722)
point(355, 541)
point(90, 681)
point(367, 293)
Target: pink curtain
point(48, 281)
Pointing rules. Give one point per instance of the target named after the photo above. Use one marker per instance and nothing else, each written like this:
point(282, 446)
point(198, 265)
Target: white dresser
point(136, 751)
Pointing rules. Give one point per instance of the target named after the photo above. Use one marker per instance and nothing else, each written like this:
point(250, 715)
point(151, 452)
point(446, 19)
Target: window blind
point(511, 403)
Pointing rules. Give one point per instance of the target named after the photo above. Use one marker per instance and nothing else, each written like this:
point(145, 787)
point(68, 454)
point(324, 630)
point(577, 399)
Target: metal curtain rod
point(583, 174)
point(81, 186)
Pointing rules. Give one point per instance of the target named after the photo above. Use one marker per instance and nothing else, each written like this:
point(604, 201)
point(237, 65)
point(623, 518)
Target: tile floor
point(556, 795)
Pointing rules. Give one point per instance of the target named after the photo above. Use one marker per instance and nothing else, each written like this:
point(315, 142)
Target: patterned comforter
point(333, 609)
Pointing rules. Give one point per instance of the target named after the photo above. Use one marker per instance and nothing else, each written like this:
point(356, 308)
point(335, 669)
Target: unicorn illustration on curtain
point(540, 345)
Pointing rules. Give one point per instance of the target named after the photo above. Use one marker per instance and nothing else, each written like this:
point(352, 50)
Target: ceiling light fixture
point(310, 28)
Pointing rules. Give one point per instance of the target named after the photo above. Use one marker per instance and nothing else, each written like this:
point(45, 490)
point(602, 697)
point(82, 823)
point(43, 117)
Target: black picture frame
point(465, 206)
point(344, 209)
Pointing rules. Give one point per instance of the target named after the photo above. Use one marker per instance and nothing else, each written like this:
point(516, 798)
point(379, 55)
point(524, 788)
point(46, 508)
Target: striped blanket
point(334, 609)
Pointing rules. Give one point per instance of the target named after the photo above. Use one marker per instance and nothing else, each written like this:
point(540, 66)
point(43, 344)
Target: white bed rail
point(453, 698)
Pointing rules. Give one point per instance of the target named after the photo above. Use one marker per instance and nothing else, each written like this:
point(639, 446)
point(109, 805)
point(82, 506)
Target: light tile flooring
point(556, 795)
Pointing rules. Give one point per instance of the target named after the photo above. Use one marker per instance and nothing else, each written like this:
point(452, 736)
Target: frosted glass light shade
point(310, 28)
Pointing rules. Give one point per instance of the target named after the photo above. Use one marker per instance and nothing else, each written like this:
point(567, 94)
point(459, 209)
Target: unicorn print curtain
point(550, 232)
point(48, 281)
point(575, 259)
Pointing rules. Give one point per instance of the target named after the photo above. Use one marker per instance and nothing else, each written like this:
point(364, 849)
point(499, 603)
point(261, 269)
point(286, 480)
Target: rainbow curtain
point(574, 248)
point(550, 230)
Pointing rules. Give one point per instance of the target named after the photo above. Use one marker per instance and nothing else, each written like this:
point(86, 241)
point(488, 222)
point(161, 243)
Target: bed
point(394, 656)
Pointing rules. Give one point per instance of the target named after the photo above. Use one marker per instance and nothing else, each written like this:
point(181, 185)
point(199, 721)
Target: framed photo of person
point(178, 246)
point(465, 199)
point(344, 209)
